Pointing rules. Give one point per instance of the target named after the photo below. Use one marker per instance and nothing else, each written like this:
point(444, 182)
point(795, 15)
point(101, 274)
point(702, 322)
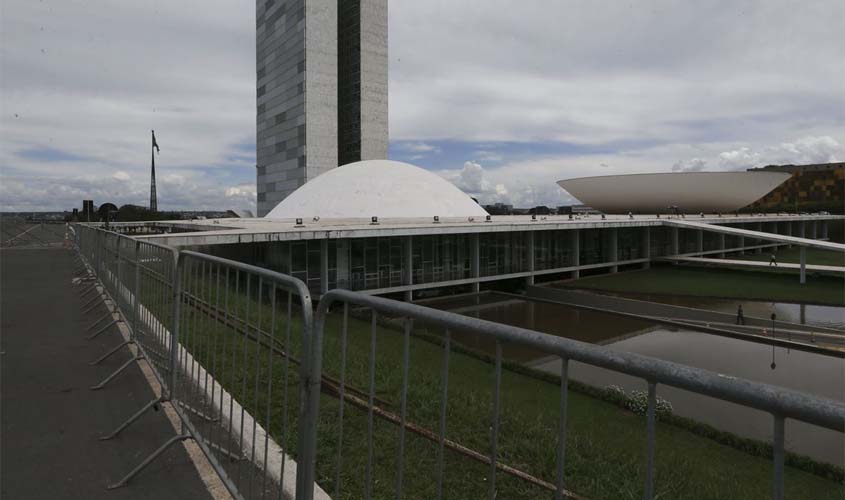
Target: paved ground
point(50, 419)
point(757, 263)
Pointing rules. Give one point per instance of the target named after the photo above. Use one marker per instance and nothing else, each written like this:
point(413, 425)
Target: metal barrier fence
point(225, 341)
point(780, 403)
point(239, 359)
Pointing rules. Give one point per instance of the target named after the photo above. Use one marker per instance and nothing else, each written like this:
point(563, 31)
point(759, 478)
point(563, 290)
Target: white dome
point(381, 188)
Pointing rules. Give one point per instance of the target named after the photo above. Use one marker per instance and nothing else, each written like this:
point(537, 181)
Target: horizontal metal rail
point(150, 285)
point(779, 402)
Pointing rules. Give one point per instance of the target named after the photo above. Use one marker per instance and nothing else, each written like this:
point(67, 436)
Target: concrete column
point(722, 245)
point(324, 266)
point(408, 267)
point(803, 275)
point(788, 232)
point(814, 230)
point(824, 230)
point(646, 246)
point(576, 252)
point(476, 262)
point(529, 280)
point(699, 241)
point(759, 228)
point(613, 247)
point(802, 229)
point(673, 248)
point(343, 264)
point(742, 245)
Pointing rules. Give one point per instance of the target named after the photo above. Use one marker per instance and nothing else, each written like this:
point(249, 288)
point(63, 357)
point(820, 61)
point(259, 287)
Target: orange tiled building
point(811, 187)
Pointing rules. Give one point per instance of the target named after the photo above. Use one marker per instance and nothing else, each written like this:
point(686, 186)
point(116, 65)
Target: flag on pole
point(155, 144)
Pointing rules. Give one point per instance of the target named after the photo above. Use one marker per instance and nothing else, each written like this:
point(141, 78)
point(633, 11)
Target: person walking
point(740, 318)
point(773, 261)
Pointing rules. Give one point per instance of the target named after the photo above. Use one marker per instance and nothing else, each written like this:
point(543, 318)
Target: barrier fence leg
point(91, 304)
point(111, 352)
point(135, 416)
point(115, 373)
point(101, 330)
point(90, 288)
point(147, 461)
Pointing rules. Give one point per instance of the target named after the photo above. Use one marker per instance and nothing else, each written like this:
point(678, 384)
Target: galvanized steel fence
point(209, 328)
point(240, 360)
point(328, 330)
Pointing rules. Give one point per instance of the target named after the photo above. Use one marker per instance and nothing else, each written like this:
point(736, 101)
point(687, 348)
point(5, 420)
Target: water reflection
point(570, 322)
point(805, 372)
point(815, 374)
point(823, 316)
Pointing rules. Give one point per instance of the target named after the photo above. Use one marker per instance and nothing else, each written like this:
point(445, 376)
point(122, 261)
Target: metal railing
point(240, 360)
point(779, 402)
point(210, 329)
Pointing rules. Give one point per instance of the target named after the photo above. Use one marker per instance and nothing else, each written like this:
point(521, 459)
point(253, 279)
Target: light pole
point(773, 365)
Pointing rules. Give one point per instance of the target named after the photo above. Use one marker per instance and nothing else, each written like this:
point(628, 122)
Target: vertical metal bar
point(258, 309)
point(118, 291)
point(174, 329)
point(369, 470)
point(494, 436)
point(136, 306)
point(444, 392)
point(232, 378)
point(561, 433)
point(270, 361)
point(211, 320)
point(400, 461)
point(778, 457)
point(285, 417)
point(339, 461)
point(215, 315)
point(243, 379)
point(220, 378)
point(648, 492)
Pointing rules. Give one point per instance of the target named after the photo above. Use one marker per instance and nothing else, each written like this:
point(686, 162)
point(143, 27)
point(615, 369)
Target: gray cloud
point(729, 84)
point(693, 165)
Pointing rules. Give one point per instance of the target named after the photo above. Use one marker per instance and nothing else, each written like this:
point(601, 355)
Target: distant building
point(88, 212)
point(811, 188)
point(321, 90)
point(576, 210)
point(499, 209)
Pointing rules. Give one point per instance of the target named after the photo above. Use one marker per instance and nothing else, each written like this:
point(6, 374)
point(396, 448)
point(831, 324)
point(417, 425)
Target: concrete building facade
point(409, 256)
point(321, 76)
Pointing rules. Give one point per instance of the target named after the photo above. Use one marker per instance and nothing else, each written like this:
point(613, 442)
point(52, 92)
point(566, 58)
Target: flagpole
point(153, 200)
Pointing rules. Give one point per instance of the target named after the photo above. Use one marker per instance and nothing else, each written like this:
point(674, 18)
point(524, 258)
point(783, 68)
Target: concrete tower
point(321, 90)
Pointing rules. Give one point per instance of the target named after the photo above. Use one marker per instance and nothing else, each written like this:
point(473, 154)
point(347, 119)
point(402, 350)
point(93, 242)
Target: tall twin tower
point(322, 90)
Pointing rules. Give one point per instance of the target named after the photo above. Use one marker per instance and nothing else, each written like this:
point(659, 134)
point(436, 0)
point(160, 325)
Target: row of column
point(612, 252)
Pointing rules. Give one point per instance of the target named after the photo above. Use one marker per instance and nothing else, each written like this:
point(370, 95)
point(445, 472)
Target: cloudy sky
point(501, 100)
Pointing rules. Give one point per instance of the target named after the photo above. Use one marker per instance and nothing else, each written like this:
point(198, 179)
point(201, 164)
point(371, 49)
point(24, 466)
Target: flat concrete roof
point(231, 230)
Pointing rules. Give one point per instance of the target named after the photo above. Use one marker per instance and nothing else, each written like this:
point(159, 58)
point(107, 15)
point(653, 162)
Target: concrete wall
point(296, 77)
point(374, 127)
point(297, 60)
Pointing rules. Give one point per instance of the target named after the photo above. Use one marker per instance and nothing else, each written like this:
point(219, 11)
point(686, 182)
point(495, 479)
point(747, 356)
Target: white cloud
point(693, 165)
point(420, 147)
point(822, 149)
point(801, 151)
point(739, 159)
point(684, 86)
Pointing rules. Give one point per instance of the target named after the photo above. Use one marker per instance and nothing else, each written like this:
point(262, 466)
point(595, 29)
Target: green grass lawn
point(605, 444)
point(720, 282)
point(814, 256)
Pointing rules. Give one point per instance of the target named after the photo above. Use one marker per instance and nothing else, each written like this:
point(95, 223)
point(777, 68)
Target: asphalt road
point(50, 419)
